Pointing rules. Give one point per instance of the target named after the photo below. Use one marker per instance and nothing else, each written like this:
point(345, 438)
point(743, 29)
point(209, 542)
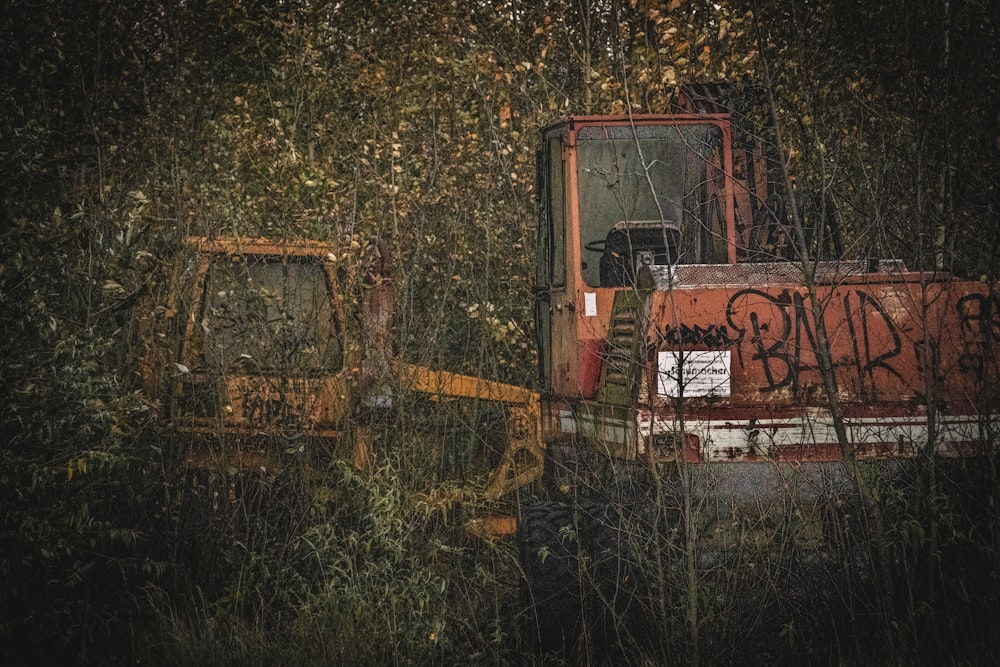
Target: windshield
point(267, 314)
point(644, 197)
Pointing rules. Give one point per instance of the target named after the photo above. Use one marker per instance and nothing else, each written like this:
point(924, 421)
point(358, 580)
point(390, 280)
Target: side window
point(543, 246)
point(551, 263)
point(556, 213)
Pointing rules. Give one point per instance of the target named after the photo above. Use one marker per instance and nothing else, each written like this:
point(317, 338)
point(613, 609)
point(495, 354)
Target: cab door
point(550, 293)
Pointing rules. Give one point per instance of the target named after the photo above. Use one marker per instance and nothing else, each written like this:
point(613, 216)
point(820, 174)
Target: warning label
point(697, 373)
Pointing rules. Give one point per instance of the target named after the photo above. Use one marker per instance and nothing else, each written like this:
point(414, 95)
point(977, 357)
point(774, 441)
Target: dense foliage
point(126, 126)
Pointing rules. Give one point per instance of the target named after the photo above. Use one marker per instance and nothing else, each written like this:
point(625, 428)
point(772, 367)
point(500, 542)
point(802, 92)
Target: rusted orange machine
point(692, 325)
point(680, 313)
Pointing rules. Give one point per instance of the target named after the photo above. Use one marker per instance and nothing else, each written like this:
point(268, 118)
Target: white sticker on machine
point(697, 372)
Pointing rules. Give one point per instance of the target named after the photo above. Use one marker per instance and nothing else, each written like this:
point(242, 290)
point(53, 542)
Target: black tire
point(573, 569)
point(549, 547)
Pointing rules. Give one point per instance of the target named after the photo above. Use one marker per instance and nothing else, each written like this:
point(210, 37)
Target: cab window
point(644, 197)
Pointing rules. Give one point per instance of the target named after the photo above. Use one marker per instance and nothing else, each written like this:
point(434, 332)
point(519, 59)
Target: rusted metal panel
point(897, 347)
point(262, 404)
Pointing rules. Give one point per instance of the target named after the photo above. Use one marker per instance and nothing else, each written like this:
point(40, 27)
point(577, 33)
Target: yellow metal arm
point(523, 459)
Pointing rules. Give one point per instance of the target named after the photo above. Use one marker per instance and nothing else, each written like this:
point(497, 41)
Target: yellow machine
point(281, 342)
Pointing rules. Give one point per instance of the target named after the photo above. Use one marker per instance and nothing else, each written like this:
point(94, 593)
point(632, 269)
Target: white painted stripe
point(735, 439)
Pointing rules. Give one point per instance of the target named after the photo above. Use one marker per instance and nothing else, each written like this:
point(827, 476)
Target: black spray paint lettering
point(979, 315)
point(713, 336)
point(979, 321)
point(780, 335)
point(871, 314)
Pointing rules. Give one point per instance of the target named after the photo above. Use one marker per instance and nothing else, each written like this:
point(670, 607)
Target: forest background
point(127, 126)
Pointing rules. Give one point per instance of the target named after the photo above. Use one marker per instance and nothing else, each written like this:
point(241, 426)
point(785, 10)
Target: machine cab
point(617, 193)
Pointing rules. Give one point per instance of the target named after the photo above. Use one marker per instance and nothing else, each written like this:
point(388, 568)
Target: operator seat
point(631, 245)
